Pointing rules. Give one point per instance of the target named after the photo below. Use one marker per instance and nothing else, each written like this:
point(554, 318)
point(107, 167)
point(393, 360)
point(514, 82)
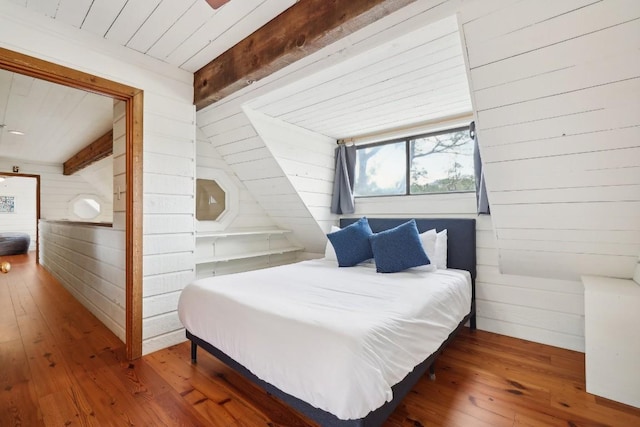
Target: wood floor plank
point(68, 407)
point(247, 393)
point(63, 367)
point(18, 406)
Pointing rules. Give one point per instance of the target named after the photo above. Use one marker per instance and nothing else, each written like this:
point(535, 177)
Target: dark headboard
point(461, 234)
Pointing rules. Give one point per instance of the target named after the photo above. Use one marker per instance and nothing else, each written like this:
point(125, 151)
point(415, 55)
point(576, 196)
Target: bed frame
point(461, 254)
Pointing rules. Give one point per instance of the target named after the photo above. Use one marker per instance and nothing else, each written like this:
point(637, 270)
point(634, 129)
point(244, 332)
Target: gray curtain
point(343, 201)
point(481, 189)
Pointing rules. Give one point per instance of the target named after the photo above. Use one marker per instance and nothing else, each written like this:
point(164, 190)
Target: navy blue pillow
point(398, 248)
point(352, 243)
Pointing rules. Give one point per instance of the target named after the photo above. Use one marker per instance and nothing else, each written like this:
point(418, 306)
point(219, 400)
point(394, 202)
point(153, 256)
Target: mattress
point(337, 338)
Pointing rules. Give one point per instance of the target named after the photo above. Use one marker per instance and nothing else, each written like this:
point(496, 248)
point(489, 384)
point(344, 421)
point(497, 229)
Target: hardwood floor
point(60, 366)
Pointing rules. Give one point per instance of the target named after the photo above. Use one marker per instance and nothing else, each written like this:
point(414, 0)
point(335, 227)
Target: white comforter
point(337, 338)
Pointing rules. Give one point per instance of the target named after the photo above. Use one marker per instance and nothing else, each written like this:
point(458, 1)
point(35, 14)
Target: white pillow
point(329, 252)
point(428, 239)
point(440, 257)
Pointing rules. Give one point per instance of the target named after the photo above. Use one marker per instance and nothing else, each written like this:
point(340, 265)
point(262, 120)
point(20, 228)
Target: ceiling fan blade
point(216, 3)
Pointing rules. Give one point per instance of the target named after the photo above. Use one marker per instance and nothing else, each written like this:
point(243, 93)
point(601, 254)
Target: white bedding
point(337, 338)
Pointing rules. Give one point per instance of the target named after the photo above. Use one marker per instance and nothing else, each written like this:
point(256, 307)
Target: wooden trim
point(217, 3)
point(134, 112)
point(34, 67)
point(37, 178)
point(97, 150)
point(304, 28)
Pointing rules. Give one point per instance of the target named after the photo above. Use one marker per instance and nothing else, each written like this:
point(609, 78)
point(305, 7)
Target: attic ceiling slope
point(556, 96)
point(49, 115)
point(227, 127)
point(183, 33)
point(304, 28)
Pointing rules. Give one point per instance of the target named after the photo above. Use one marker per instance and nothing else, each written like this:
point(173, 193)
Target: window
point(439, 162)
point(86, 207)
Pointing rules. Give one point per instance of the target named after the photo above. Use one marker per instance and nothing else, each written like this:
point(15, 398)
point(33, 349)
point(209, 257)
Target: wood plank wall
point(89, 262)
point(169, 151)
point(548, 311)
point(542, 310)
point(308, 161)
point(245, 152)
point(249, 215)
point(56, 189)
point(229, 130)
point(555, 87)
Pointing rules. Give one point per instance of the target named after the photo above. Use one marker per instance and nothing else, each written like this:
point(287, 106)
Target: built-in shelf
point(218, 234)
point(224, 258)
point(216, 247)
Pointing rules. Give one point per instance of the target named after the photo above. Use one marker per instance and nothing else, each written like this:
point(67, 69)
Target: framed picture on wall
point(7, 204)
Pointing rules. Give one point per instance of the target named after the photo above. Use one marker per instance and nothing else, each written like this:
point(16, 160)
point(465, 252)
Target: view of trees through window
point(438, 163)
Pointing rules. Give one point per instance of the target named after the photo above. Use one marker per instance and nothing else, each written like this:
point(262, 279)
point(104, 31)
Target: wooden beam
point(304, 28)
point(217, 3)
point(97, 150)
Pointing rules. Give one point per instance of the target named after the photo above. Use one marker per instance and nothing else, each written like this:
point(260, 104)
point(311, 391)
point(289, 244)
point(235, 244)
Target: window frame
point(407, 140)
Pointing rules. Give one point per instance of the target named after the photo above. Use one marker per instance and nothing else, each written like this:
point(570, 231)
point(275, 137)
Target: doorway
point(133, 98)
point(20, 206)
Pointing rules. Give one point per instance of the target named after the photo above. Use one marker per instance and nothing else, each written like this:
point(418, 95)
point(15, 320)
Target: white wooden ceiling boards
point(57, 121)
point(184, 33)
point(416, 78)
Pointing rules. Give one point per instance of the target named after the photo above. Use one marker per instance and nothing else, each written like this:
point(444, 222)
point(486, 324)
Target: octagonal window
point(211, 200)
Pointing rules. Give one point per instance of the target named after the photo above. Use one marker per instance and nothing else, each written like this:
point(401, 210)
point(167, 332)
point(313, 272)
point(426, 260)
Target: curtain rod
point(417, 128)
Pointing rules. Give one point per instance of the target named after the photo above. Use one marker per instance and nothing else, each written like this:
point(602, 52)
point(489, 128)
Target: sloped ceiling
point(556, 97)
point(184, 33)
point(57, 121)
point(415, 78)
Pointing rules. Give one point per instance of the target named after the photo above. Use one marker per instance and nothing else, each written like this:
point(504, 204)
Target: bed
point(337, 350)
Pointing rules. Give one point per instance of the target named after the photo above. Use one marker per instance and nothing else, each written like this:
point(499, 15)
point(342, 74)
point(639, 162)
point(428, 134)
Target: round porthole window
point(86, 207)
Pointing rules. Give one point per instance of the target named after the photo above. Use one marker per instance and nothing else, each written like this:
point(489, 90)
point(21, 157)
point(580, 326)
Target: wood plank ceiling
point(416, 78)
point(56, 120)
point(185, 33)
point(401, 83)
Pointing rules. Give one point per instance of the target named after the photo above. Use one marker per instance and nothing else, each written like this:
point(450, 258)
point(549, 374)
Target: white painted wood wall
point(245, 152)
point(89, 262)
point(539, 309)
point(24, 219)
point(555, 87)
point(549, 311)
point(308, 162)
point(537, 68)
point(169, 152)
point(247, 216)
point(56, 189)
point(230, 131)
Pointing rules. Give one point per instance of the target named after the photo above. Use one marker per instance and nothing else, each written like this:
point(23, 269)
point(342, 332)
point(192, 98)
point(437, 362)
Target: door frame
point(133, 98)
point(37, 178)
